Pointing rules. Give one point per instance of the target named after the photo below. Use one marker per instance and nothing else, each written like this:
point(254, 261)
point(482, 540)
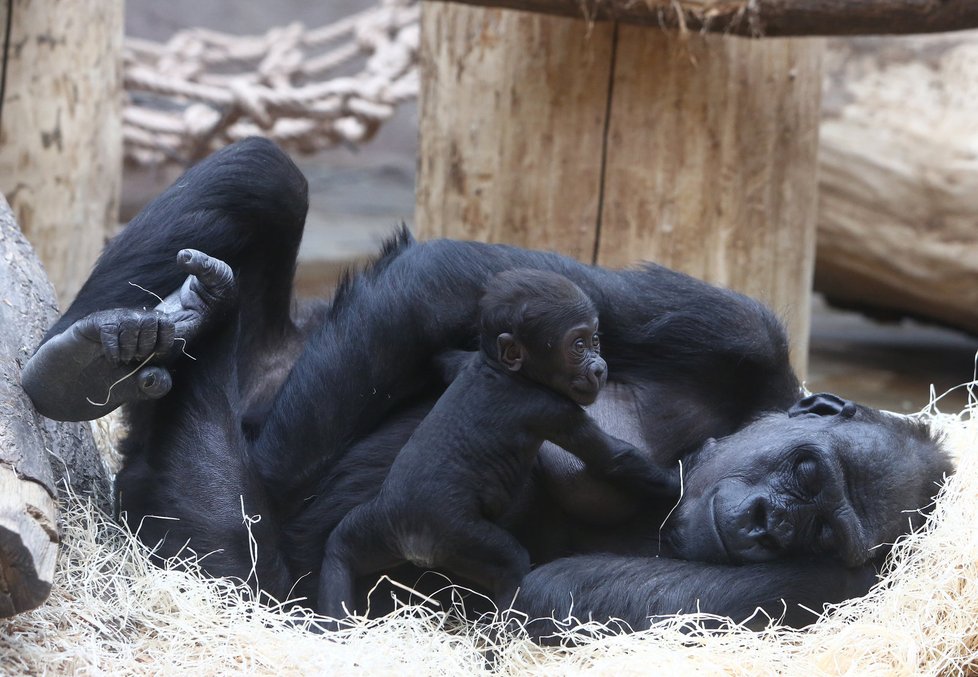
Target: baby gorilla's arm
point(615, 459)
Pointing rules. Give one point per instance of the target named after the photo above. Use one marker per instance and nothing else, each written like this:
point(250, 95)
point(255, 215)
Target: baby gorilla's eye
point(580, 346)
point(596, 342)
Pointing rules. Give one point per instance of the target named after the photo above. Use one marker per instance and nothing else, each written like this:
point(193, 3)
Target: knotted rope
point(305, 89)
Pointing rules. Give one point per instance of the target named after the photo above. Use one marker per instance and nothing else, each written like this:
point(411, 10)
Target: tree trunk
point(711, 165)
point(898, 198)
point(61, 133)
point(36, 455)
point(615, 144)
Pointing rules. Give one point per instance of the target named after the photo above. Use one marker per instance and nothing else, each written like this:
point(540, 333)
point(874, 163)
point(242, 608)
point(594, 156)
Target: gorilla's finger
point(109, 335)
point(146, 337)
point(129, 327)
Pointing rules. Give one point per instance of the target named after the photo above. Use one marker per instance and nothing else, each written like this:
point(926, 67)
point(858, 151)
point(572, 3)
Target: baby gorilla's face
point(574, 366)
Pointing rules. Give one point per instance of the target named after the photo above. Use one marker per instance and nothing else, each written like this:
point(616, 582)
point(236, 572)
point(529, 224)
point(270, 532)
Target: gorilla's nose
point(768, 526)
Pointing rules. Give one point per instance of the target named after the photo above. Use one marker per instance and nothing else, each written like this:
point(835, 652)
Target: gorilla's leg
point(489, 556)
point(244, 205)
point(358, 546)
point(187, 487)
point(186, 456)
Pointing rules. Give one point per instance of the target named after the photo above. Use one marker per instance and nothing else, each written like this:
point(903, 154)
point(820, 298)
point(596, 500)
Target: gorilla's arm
point(632, 589)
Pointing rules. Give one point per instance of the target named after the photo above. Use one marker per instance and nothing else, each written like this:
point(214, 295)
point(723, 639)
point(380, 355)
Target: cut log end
point(28, 543)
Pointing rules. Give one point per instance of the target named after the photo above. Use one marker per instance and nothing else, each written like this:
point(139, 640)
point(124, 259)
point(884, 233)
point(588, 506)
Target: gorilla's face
point(843, 481)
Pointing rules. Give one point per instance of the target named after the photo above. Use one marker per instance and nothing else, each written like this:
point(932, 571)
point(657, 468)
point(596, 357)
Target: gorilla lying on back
point(787, 501)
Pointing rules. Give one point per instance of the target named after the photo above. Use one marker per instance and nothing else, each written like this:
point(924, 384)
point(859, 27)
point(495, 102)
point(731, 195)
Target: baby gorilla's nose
point(598, 373)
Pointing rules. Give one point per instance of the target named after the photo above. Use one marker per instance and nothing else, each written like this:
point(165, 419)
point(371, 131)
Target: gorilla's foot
point(112, 357)
point(101, 361)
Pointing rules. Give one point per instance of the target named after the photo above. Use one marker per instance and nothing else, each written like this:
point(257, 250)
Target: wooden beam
point(766, 18)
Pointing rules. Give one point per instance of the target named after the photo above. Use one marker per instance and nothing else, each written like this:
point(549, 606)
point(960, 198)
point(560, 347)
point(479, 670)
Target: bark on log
point(36, 455)
point(898, 198)
point(765, 18)
point(61, 137)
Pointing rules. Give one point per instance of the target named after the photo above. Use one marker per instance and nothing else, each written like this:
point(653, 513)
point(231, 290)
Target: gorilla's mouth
point(585, 394)
point(584, 390)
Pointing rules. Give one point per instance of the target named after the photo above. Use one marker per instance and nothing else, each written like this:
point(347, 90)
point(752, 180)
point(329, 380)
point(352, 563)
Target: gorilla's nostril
point(758, 515)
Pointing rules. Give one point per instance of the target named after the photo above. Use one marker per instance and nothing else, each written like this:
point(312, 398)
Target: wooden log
point(710, 165)
point(61, 133)
point(898, 196)
point(511, 137)
point(615, 145)
point(36, 455)
point(765, 18)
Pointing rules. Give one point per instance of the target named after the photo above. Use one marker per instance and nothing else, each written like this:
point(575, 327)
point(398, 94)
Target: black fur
point(463, 468)
point(300, 421)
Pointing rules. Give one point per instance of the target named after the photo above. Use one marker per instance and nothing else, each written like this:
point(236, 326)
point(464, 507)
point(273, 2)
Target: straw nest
point(112, 612)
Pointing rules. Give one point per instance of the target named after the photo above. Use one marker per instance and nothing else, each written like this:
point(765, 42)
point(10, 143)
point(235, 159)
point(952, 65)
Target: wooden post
point(711, 165)
point(512, 125)
point(616, 143)
point(61, 132)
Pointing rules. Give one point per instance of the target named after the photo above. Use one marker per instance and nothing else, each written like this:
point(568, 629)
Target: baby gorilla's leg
point(359, 545)
point(490, 557)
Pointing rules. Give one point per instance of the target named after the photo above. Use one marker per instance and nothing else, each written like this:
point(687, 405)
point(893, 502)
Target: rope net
point(306, 89)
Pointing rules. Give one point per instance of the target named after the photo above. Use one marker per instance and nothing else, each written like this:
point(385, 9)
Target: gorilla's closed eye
point(807, 475)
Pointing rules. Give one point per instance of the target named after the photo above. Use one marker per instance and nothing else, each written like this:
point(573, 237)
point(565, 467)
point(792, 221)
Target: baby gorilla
point(440, 505)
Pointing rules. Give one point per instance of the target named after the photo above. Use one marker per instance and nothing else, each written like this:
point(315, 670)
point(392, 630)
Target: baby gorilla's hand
point(631, 467)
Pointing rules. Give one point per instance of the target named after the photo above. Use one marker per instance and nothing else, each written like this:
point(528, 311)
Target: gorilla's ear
point(823, 404)
point(510, 351)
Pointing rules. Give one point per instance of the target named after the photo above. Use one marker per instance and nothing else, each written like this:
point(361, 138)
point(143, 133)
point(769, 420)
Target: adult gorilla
point(298, 418)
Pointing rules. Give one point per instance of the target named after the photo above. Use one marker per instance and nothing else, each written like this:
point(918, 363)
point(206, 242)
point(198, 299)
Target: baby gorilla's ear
point(511, 353)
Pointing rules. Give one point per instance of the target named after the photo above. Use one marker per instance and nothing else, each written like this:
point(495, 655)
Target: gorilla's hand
point(632, 468)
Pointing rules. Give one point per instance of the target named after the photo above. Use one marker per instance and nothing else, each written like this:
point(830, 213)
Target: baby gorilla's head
point(543, 326)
